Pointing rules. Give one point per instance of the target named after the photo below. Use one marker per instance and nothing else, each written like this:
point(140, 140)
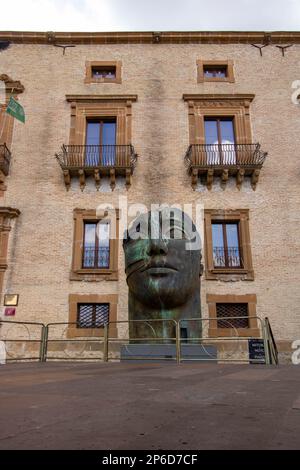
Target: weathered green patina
point(163, 268)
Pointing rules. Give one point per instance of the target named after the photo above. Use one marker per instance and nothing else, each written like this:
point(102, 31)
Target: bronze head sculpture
point(163, 268)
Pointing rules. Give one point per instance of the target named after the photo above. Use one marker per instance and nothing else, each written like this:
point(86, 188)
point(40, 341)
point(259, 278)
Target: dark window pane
point(109, 141)
point(89, 248)
point(232, 235)
point(92, 315)
point(218, 246)
point(104, 72)
point(93, 133)
point(227, 132)
point(233, 251)
point(211, 132)
point(228, 311)
point(211, 139)
point(93, 142)
point(217, 235)
point(103, 245)
point(215, 72)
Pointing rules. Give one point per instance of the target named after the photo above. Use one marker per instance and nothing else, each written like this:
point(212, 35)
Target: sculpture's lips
point(159, 269)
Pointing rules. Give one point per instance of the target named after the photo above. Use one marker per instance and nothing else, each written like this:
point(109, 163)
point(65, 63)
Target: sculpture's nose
point(157, 247)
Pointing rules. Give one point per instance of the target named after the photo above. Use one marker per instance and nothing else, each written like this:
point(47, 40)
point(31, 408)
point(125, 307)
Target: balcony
point(97, 160)
point(5, 157)
point(209, 160)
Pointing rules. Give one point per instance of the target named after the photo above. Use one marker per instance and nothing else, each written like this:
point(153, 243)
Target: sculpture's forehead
point(163, 216)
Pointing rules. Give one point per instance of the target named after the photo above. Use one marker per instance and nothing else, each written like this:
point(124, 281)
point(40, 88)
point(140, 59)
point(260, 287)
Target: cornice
point(12, 86)
point(154, 37)
point(99, 98)
point(219, 96)
point(9, 212)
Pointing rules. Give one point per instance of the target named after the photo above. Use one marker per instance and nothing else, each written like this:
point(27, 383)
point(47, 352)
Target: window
point(89, 313)
point(92, 315)
point(215, 71)
point(223, 311)
point(220, 140)
point(227, 245)
point(100, 142)
point(96, 245)
point(235, 315)
point(219, 131)
point(218, 118)
point(103, 72)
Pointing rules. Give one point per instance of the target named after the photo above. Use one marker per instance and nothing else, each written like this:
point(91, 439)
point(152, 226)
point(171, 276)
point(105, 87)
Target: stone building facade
point(193, 106)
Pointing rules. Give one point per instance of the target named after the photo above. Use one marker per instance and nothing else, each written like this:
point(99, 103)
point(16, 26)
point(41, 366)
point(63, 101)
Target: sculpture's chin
point(159, 296)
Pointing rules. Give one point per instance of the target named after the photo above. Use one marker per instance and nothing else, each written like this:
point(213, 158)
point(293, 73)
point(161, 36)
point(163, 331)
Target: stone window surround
point(103, 63)
point(228, 274)
point(236, 106)
point(214, 331)
point(100, 106)
point(6, 216)
point(201, 64)
point(75, 299)
point(78, 273)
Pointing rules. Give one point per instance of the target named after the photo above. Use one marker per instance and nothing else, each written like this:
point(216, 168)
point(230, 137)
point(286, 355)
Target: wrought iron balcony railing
point(95, 257)
point(227, 257)
point(97, 160)
point(5, 157)
point(225, 160)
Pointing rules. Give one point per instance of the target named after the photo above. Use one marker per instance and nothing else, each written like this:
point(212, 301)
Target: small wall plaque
point(9, 312)
point(11, 300)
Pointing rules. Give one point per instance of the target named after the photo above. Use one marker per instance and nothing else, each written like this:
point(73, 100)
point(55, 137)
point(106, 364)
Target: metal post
point(105, 346)
point(42, 343)
point(266, 343)
point(178, 343)
point(45, 341)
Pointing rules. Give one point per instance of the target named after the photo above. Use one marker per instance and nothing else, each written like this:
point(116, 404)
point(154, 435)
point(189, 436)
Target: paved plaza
point(149, 406)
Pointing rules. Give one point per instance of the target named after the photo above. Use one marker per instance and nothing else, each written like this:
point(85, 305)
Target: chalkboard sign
point(256, 351)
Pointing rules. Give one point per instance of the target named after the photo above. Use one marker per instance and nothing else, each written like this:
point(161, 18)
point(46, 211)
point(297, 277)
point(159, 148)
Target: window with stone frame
point(100, 140)
point(215, 71)
point(90, 313)
point(232, 315)
point(96, 245)
point(227, 245)
point(103, 71)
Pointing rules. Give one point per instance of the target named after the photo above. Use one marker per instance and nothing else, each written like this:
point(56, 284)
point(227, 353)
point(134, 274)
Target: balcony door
point(96, 247)
point(220, 140)
point(226, 246)
point(100, 142)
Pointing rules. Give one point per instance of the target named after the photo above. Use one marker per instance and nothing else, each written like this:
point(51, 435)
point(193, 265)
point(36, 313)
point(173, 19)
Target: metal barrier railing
point(26, 339)
point(272, 348)
point(127, 335)
point(234, 337)
point(119, 341)
point(65, 340)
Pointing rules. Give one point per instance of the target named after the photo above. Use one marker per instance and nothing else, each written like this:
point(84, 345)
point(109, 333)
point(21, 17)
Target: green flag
point(16, 110)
